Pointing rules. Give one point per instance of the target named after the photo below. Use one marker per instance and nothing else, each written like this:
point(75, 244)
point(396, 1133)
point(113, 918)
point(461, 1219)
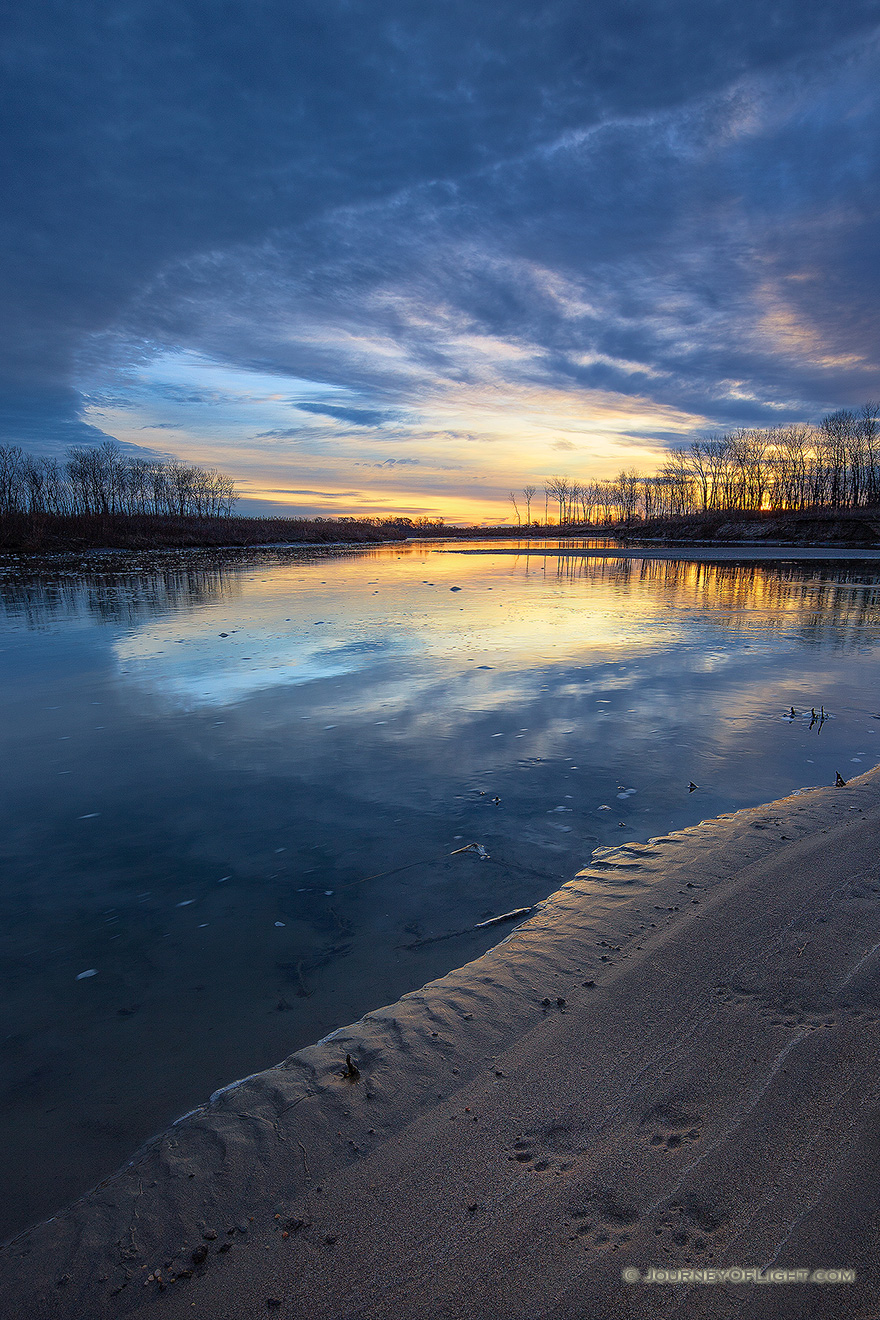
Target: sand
point(673, 1064)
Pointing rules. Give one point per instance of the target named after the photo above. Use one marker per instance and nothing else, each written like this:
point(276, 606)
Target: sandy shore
point(673, 1064)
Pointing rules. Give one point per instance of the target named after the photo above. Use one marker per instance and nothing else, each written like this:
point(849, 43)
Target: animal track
point(523, 1154)
point(670, 1126)
point(778, 1005)
point(546, 1149)
point(604, 1220)
point(689, 1225)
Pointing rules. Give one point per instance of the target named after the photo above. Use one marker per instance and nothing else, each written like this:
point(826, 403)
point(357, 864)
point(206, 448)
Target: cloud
point(486, 224)
point(357, 416)
point(393, 463)
point(318, 494)
point(45, 420)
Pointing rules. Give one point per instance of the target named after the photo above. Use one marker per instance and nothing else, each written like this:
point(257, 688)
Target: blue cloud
point(356, 416)
point(676, 202)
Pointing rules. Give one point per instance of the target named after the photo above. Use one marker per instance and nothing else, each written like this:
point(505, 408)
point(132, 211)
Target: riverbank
point(741, 553)
point(54, 534)
point(822, 527)
point(671, 1064)
point(46, 533)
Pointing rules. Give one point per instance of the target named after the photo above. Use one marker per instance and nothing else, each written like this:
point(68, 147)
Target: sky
point(397, 257)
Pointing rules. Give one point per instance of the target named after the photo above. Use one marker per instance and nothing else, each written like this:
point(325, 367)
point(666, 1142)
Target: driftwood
point(472, 847)
point(505, 916)
point(468, 930)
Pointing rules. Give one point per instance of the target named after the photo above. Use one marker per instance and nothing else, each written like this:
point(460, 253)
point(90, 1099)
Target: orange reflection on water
point(294, 616)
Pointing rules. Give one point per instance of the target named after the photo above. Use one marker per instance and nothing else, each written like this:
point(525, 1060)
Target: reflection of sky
point(394, 619)
point(294, 628)
point(193, 755)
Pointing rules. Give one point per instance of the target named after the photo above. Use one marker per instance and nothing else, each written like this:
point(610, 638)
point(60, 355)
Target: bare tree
point(588, 496)
point(869, 421)
point(557, 488)
point(627, 493)
point(835, 446)
point(528, 494)
point(103, 480)
point(699, 456)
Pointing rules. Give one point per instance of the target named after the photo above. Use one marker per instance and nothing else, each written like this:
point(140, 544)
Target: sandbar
point(671, 1065)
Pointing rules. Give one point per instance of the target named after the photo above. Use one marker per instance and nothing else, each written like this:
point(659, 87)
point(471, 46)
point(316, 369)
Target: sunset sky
point(395, 256)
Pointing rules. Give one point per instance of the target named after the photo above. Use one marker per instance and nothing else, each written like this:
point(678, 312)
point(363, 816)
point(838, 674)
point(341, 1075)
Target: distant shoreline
point(744, 552)
point(45, 534)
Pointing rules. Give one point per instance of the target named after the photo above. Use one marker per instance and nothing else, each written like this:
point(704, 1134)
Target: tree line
point(793, 468)
point(104, 480)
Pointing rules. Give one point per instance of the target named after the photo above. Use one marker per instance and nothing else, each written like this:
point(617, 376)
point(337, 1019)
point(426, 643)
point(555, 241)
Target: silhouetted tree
point(528, 493)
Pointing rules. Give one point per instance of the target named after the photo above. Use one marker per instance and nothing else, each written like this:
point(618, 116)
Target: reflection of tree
point(840, 608)
point(126, 598)
point(837, 606)
point(147, 586)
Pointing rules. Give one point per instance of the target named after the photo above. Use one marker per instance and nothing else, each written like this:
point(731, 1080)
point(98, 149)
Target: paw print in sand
point(669, 1127)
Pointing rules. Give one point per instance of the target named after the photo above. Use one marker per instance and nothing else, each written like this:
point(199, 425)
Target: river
point(236, 790)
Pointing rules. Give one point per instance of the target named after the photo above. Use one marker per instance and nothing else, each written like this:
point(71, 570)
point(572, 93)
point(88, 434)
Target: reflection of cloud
point(290, 627)
point(339, 630)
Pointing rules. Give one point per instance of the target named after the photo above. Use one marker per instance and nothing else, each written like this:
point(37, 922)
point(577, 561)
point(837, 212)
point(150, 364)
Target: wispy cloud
point(355, 416)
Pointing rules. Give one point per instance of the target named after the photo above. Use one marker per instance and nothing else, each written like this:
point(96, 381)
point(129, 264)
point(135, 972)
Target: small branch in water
point(305, 1161)
point(380, 875)
point(472, 847)
point(435, 939)
point(454, 934)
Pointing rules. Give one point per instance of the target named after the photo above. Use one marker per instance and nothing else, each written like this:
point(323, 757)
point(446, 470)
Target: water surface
point(233, 791)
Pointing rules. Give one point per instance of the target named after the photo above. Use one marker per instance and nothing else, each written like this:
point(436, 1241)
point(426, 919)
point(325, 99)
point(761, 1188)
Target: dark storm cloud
point(198, 174)
point(44, 417)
